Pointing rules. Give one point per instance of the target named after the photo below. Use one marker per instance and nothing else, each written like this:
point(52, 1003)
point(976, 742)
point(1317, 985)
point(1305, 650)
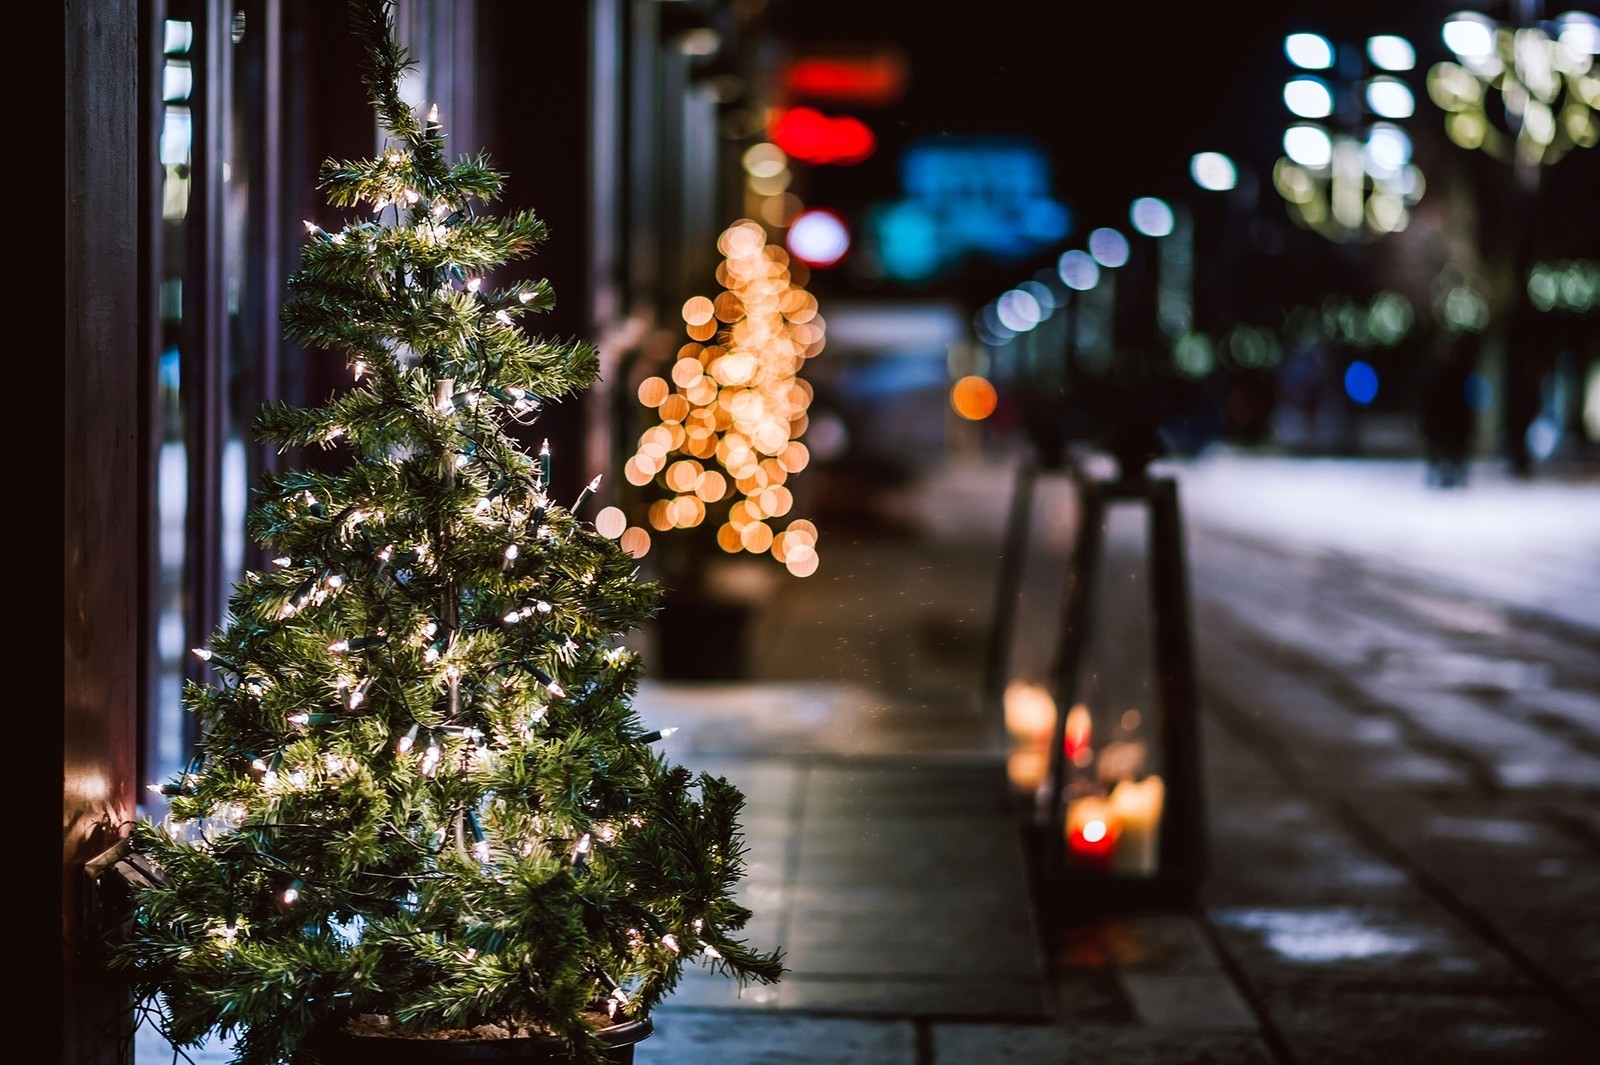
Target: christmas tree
point(421, 796)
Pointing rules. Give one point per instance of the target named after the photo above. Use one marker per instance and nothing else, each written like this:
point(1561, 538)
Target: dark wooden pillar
point(100, 547)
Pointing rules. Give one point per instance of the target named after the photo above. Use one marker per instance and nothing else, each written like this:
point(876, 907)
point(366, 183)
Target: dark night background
point(1122, 96)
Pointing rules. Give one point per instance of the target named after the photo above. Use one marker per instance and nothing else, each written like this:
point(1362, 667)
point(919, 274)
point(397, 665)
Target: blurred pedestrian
point(1447, 415)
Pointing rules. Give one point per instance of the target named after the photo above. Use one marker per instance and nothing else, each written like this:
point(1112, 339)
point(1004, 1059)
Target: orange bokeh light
point(973, 398)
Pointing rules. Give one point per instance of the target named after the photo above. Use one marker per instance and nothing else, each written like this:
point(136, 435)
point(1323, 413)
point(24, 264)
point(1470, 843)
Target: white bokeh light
point(818, 237)
point(1579, 33)
point(1109, 248)
point(1213, 171)
point(1388, 149)
point(1308, 97)
point(1018, 311)
point(1390, 98)
point(1151, 216)
point(1469, 34)
point(1048, 299)
point(1389, 52)
point(1307, 145)
point(1078, 270)
point(1309, 51)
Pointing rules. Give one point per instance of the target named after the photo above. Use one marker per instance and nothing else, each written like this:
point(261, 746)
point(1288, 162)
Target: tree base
point(345, 1048)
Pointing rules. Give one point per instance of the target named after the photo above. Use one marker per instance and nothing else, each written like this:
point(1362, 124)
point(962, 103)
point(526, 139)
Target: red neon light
point(869, 80)
point(810, 136)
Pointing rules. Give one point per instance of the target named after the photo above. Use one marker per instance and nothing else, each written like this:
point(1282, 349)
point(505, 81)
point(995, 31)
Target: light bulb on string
point(588, 490)
point(431, 756)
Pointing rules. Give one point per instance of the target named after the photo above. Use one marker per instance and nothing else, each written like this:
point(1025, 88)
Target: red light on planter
point(812, 137)
point(1092, 830)
point(818, 237)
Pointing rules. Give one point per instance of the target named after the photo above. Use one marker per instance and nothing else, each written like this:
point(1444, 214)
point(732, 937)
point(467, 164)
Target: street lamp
point(1523, 92)
point(1343, 176)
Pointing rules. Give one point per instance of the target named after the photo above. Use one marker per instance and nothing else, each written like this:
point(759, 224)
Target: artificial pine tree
point(421, 791)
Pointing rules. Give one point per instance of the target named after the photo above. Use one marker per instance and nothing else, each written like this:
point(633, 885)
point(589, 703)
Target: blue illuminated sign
point(967, 196)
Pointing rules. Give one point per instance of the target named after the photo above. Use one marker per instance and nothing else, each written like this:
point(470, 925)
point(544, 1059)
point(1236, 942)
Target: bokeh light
point(1361, 382)
point(610, 522)
point(1018, 310)
point(733, 405)
point(973, 398)
point(1389, 52)
point(1109, 248)
point(1151, 216)
point(818, 237)
point(1308, 97)
point(1309, 51)
point(1390, 98)
point(1078, 270)
point(765, 160)
point(1213, 171)
point(1469, 34)
point(1308, 145)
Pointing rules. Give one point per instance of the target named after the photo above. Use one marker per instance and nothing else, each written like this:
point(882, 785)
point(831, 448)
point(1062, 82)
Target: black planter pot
point(342, 1048)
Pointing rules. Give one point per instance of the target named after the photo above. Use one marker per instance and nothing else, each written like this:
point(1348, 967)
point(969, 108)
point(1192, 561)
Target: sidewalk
point(885, 844)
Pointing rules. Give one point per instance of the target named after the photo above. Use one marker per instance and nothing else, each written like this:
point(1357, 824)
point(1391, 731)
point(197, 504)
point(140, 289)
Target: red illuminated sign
point(871, 80)
point(810, 136)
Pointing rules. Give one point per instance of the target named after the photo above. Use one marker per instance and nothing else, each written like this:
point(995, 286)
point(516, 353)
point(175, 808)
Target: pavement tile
point(940, 929)
point(925, 952)
point(1567, 948)
point(1130, 1044)
point(821, 898)
point(1327, 1025)
point(1167, 941)
point(1191, 1000)
point(1338, 945)
point(688, 1037)
point(1090, 994)
point(948, 993)
point(1288, 852)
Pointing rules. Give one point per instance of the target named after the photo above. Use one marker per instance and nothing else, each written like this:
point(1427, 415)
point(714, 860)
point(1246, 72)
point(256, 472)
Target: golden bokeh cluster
point(1548, 87)
point(732, 409)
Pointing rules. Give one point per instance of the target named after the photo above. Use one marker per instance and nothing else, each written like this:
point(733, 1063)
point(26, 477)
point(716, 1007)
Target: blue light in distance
point(1361, 383)
point(1480, 393)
